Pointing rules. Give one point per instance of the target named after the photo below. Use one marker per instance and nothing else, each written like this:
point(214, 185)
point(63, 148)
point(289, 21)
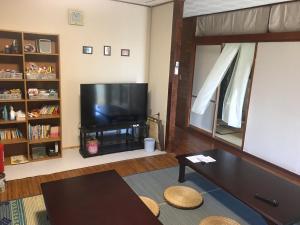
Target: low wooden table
point(100, 198)
point(244, 180)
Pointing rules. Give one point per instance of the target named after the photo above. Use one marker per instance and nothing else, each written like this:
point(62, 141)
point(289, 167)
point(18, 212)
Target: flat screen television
point(113, 104)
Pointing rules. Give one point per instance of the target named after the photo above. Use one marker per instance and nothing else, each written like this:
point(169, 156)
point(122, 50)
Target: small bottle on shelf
point(12, 113)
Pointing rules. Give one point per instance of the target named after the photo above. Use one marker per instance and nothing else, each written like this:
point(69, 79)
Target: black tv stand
point(114, 138)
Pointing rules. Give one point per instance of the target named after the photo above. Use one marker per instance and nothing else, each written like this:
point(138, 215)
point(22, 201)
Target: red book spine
point(1, 158)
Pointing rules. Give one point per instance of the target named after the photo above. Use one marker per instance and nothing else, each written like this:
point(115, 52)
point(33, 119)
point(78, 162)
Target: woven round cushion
point(218, 220)
point(183, 197)
point(151, 204)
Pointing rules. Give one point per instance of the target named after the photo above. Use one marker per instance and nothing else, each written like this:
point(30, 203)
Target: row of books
point(9, 134)
point(45, 110)
point(42, 131)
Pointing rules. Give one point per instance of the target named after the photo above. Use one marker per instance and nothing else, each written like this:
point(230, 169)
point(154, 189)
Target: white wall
point(160, 50)
point(106, 23)
point(273, 127)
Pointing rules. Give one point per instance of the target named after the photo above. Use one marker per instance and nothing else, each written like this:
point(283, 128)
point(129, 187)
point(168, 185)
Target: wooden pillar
point(187, 64)
point(173, 78)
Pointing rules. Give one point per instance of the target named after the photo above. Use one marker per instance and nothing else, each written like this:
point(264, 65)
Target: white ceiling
point(203, 7)
point(146, 2)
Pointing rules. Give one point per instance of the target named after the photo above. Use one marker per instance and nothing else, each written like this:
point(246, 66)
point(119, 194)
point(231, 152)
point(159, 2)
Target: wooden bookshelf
point(46, 158)
point(37, 80)
point(36, 53)
point(12, 80)
point(18, 60)
point(44, 117)
point(43, 100)
point(13, 141)
point(11, 100)
point(11, 55)
point(44, 140)
point(2, 122)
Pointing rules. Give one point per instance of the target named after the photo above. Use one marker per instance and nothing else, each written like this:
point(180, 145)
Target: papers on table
point(201, 158)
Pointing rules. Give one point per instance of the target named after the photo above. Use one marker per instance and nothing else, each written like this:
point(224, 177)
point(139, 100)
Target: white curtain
point(214, 78)
point(235, 93)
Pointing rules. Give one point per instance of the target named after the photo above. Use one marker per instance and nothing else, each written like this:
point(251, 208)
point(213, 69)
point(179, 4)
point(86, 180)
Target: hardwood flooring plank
point(32, 186)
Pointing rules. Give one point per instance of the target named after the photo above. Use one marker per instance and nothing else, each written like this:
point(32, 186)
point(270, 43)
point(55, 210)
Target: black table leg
point(181, 178)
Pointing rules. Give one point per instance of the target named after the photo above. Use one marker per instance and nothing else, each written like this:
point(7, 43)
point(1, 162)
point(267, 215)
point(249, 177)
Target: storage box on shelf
point(13, 94)
point(29, 80)
point(35, 93)
point(10, 74)
point(38, 71)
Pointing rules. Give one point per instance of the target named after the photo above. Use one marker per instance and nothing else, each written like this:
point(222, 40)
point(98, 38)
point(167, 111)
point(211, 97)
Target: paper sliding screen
point(235, 94)
point(273, 124)
point(206, 57)
point(214, 78)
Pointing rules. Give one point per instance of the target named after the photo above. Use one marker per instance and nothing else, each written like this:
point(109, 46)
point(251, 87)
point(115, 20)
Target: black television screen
point(113, 104)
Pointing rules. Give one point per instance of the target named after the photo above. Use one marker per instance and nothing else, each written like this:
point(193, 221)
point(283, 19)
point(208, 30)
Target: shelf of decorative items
point(30, 120)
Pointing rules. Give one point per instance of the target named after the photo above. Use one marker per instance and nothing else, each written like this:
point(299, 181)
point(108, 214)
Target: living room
point(109, 42)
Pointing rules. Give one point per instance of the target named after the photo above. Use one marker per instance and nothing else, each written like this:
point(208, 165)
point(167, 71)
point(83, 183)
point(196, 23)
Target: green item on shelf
point(4, 113)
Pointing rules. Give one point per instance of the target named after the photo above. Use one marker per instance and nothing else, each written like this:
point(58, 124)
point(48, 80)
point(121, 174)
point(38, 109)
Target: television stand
point(112, 139)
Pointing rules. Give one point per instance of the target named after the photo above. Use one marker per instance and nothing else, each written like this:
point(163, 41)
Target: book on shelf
point(10, 134)
point(54, 132)
point(42, 131)
point(18, 159)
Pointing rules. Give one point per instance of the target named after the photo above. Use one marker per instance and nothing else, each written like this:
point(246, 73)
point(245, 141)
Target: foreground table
point(246, 181)
point(100, 198)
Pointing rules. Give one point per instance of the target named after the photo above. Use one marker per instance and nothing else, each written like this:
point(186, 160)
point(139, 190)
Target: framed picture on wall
point(87, 50)
point(75, 17)
point(107, 50)
point(125, 52)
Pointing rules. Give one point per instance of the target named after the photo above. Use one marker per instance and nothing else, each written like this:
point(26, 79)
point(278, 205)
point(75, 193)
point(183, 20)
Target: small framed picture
point(75, 17)
point(87, 50)
point(125, 52)
point(107, 50)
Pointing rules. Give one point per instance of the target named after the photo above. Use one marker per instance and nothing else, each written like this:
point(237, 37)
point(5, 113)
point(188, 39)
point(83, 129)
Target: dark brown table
point(95, 199)
point(244, 180)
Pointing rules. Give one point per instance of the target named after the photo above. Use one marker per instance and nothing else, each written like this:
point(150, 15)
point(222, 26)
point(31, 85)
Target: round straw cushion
point(151, 204)
point(218, 220)
point(183, 197)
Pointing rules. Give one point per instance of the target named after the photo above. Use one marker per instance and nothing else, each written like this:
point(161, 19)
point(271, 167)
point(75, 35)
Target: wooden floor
point(31, 186)
point(186, 141)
